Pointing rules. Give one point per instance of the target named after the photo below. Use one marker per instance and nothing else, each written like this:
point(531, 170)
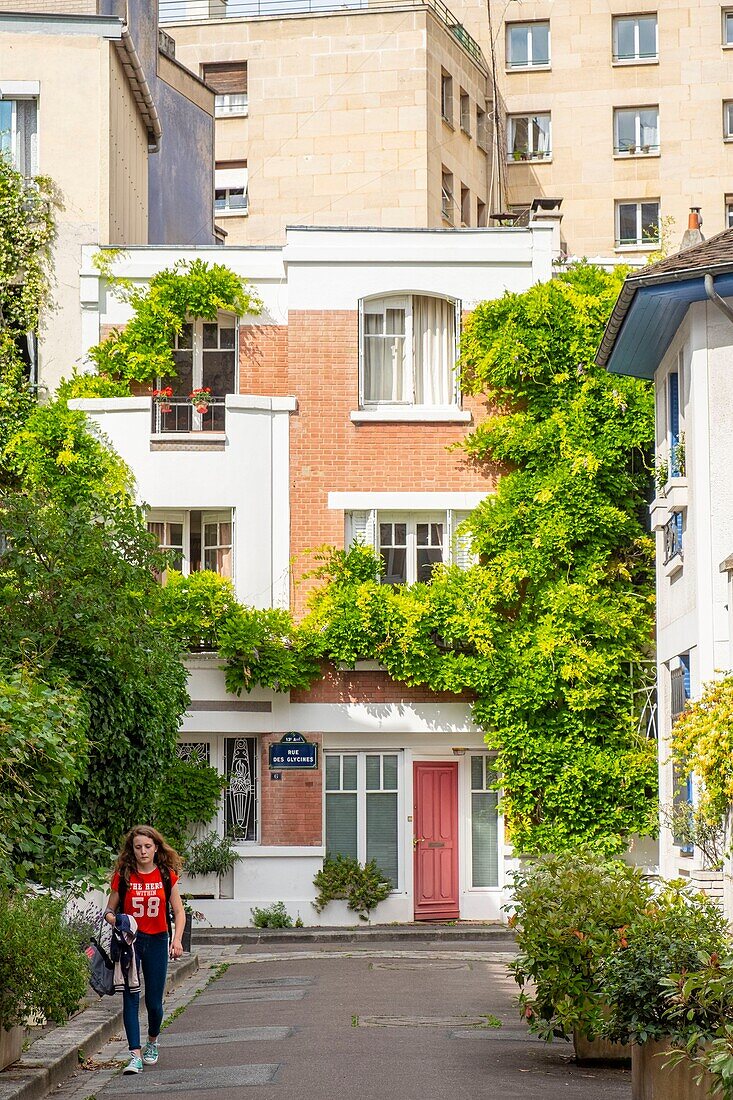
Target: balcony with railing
point(178, 414)
point(200, 11)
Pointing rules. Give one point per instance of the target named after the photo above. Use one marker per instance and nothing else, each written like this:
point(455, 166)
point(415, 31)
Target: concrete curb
point(53, 1057)
point(226, 937)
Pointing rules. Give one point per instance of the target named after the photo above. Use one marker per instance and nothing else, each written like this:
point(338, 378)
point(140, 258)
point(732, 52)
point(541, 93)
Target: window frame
point(726, 13)
point(639, 244)
point(216, 750)
point(729, 211)
point(446, 97)
point(361, 802)
point(728, 120)
point(482, 128)
point(530, 156)
point(637, 58)
point(464, 111)
point(226, 174)
point(637, 149)
point(13, 100)
point(183, 516)
point(529, 64)
point(465, 207)
point(488, 760)
point(447, 195)
point(406, 298)
point(411, 521)
point(361, 525)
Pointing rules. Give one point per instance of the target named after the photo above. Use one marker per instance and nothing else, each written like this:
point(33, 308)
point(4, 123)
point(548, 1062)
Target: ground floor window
point(484, 823)
point(362, 808)
point(236, 758)
point(195, 540)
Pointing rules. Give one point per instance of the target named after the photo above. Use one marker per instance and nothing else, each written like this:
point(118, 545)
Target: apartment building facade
point(673, 324)
point(340, 401)
point(623, 111)
point(77, 104)
point(355, 115)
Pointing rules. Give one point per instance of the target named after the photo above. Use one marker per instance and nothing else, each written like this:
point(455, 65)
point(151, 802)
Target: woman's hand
point(176, 949)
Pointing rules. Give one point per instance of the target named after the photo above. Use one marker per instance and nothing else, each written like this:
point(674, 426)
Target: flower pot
point(166, 408)
point(11, 1045)
point(650, 1080)
point(202, 408)
point(592, 1052)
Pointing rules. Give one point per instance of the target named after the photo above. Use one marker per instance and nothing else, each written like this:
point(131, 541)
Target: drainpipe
point(155, 130)
point(715, 298)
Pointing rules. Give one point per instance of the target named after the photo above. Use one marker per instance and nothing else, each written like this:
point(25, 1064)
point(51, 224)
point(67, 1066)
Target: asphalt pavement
point(316, 1023)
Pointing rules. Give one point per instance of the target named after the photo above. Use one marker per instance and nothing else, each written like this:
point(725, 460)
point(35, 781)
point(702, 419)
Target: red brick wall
point(292, 807)
point(347, 686)
point(331, 454)
point(263, 360)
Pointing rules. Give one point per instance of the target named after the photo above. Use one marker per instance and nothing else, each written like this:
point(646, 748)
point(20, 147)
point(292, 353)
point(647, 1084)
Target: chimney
point(692, 235)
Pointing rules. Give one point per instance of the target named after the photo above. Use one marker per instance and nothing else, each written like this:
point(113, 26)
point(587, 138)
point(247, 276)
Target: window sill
point(448, 122)
point(528, 69)
point(673, 566)
point(637, 156)
point(411, 414)
point(231, 213)
point(243, 113)
point(624, 62)
point(645, 246)
point(529, 160)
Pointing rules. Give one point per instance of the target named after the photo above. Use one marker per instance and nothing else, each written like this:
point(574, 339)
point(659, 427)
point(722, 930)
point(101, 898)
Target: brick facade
point(319, 364)
point(372, 686)
point(291, 807)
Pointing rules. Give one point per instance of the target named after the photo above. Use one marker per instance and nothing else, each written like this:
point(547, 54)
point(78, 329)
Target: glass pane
point(6, 126)
point(627, 223)
point(540, 134)
point(176, 534)
point(648, 37)
point(625, 38)
point(477, 773)
point(333, 773)
point(385, 534)
point(400, 534)
point(484, 839)
point(373, 773)
point(240, 795)
point(625, 130)
point(185, 336)
point(649, 128)
point(349, 773)
point(237, 198)
point(729, 120)
point(650, 222)
point(227, 333)
point(394, 566)
point(517, 46)
point(341, 825)
point(519, 132)
point(423, 530)
point(211, 332)
point(729, 28)
point(218, 372)
point(385, 377)
point(436, 534)
point(540, 44)
point(395, 325)
point(389, 773)
point(427, 559)
point(225, 534)
point(381, 825)
point(373, 323)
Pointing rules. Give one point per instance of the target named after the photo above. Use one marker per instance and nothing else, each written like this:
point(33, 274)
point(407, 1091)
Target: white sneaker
point(150, 1054)
point(135, 1065)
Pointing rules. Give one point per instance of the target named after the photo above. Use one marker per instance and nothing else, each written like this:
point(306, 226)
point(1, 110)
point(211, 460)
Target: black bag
point(101, 967)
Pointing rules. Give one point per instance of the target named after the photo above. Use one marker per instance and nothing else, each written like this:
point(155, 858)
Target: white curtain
point(433, 327)
point(385, 374)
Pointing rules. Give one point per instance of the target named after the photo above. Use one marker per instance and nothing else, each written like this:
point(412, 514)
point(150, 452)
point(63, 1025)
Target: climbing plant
point(143, 350)
point(702, 742)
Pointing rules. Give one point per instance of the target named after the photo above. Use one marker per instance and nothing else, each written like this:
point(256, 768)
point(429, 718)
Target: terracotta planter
point(202, 408)
point(592, 1052)
point(165, 408)
point(650, 1080)
point(11, 1045)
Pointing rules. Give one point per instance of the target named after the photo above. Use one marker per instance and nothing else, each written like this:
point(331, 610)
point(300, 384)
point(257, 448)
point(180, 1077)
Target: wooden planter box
point(650, 1080)
point(11, 1045)
point(600, 1051)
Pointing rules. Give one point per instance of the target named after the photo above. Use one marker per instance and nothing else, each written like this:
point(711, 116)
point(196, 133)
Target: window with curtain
point(484, 824)
point(529, 137)
point(637, 223)
point(197, 540)
point(19, 133)
point(636, 130)
point(409, 351)
point(362, 808)
point(410, 545)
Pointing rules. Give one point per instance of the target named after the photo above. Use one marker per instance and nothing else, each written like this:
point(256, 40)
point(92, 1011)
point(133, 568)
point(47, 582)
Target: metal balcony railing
point(197, 11)
point(179, 415)
point(672, 531)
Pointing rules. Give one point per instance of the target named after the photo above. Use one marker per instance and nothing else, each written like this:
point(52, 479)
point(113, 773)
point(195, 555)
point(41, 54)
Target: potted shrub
point(361, 886)
point(700, 1022)
point(42, 971)
point(566, 913)
point(163, 399)
point(676, 929)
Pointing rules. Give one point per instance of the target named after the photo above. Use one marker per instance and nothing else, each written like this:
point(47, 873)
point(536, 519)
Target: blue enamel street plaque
point(293, 751)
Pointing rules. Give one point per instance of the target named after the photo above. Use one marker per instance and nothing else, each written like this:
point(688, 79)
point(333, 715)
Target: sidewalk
point(377, 1019)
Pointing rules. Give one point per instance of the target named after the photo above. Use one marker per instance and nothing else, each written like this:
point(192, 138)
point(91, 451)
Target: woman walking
point(144, 880)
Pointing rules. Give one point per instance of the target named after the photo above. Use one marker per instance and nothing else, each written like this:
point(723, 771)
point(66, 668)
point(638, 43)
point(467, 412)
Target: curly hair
point(165, 856)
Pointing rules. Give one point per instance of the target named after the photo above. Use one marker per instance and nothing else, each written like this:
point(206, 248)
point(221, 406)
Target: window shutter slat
point(462, 553)
point(363, 527)
point(227, 79)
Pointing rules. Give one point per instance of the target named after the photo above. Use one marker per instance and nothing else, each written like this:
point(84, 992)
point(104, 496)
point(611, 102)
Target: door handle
point(416, 840)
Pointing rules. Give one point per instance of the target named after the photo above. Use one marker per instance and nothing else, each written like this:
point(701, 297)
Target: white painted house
point(294, 453)
point(673, 323)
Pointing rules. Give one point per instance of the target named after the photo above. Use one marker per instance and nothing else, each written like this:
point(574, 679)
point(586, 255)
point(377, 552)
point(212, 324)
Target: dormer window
point(408, 351)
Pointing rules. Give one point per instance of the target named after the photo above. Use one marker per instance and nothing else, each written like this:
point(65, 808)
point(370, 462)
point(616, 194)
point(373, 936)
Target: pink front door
point(435, 815)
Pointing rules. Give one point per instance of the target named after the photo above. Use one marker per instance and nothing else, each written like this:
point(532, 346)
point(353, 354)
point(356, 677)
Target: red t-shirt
point(145, 899)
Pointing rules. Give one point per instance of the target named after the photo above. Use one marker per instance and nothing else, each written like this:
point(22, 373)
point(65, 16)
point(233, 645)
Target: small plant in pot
point(566, 913)
point(200, 398)
point(700, 1021)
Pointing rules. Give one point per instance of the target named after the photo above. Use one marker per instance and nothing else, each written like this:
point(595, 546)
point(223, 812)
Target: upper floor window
point(527, 45)
point(19, 133)
point(636, 130)
point(447, 202)
point(196, 540)
point(728, 27)
point(465, 104)
point(529, 137)
point(728, 119)
point(411, 544)
point(205, 356)
point(729, 211)
point(482, 130)
point(231, 187)
point(446, 97)
point(229, 81)
point(635, 38)
point(637, 223)
point(408, 352)
point(675, 435)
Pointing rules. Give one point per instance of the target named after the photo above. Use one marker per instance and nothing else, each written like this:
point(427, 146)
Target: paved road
point(373, 1025)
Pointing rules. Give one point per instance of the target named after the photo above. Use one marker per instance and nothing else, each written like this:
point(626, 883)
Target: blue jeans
point(152, 957)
